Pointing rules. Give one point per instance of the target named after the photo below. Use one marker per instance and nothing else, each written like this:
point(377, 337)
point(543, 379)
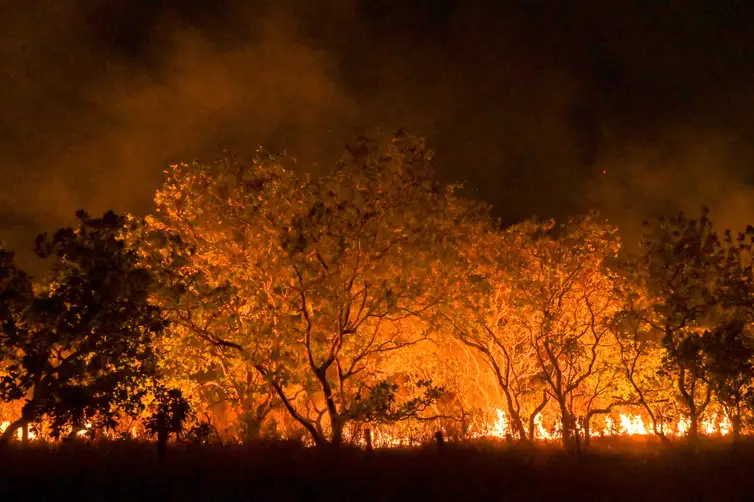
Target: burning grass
point(614, 469)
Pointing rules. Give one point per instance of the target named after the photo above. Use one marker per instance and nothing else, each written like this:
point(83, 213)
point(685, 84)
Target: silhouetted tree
point(639, 353)
point(81, 350)
point(698, 296)
point(730, 369)
point(170, 415)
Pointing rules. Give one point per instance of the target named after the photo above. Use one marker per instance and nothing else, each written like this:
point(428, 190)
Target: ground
point(280, 472)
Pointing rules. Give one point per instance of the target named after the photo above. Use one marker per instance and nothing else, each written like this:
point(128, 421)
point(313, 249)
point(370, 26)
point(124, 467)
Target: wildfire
point(627, 424)
point(540, 432)
point(632, 425)
point(620, 424)
point(19, 433)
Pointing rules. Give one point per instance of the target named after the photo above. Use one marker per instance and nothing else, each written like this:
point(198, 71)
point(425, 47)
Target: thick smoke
point(94, 127)
point(527, 105)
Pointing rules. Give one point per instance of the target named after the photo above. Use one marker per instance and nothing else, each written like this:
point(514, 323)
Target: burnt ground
point(278, 471)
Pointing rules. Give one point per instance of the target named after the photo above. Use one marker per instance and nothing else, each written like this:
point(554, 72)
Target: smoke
point(527, 105)
point(684, 172)
point(94, 128)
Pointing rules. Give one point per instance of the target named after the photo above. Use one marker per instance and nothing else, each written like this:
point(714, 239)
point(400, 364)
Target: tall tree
point(483, 316)
point(82, 350)
point(320, 279)
point(564, 298)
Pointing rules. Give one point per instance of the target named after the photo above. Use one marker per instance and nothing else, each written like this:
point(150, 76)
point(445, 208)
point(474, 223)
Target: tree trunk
point(533, 416)
point(28, 415)
point(336, 424)
point(368, 440)
point(735, 423)
point(587, 432)
point(10, 432)
point(656, 427)
point(162, 443)
point(734, 415)
point(567, 428)
point(693, 433)
point(440, 440)
point(518, 425)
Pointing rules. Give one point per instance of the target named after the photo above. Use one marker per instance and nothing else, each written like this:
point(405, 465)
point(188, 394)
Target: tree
point(482, 316)
point(319, 279)
point(16, 296)
point(170, 415)
point(81, 351)
point(639, 354)
point(208, 374)
point(699, 297)
point(730, 368)
point(563, 298)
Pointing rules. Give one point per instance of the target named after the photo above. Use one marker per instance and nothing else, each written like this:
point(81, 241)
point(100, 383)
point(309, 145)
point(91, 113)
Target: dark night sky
point(527, 102)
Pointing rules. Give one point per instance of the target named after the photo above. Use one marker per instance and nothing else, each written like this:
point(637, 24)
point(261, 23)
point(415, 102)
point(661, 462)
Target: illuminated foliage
point(564, 298)
point(313, 282)
point(483, 316)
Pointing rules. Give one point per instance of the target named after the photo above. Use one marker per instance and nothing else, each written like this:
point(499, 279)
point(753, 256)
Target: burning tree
point(483, 316)
point(318, 280)
point(536, 304)
point(639, 355)
point(564, 298)
point(212, 376)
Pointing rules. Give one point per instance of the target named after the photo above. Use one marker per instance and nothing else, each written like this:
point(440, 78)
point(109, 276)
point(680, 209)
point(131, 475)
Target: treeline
point(259, 302)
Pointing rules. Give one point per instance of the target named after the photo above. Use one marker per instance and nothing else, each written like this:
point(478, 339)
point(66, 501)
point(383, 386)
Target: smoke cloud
point(527, 105)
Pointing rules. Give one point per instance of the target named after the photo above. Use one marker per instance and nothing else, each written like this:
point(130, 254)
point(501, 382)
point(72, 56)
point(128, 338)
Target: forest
point(372, 306)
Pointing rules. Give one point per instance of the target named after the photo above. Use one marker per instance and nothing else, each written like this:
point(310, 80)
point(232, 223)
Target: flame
point(540, 432)
point(83, 432)
point(632, 425)
point(724, 425)
point(683, 426)
point(19, 433)
point(628, 424)
point(500, 428)
point(617, 424)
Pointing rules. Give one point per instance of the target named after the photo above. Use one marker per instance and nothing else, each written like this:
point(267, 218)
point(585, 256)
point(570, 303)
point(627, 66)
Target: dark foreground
point(625, 471)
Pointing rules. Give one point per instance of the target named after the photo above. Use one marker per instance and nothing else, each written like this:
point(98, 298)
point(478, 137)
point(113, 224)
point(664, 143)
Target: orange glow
point(627, 424)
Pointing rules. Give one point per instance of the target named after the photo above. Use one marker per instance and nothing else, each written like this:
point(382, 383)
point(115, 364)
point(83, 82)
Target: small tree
point(81, 351)
point(730, 368)
point(639, 354)
point(170, 414)
point(698, 289)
